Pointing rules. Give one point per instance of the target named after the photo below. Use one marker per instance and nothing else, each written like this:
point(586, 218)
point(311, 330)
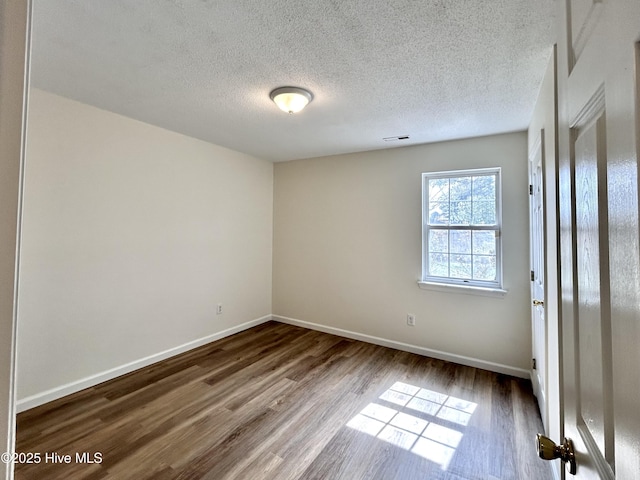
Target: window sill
point(464, 289)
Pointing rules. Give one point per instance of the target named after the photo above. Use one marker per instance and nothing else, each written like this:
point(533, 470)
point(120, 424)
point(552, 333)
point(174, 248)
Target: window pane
point(439, 241)
point(460, 188)
point(439, 264)
point(460, 241)
point(438, 213)
point(484, 267)
point(460, 266)
point(484, 212)
point(439, 190)
point(461, 217)
point(484, 242)
point(484, 188)
point(460, 213)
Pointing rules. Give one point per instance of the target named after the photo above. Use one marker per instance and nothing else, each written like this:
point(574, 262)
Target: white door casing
point(542, 135)
point(14, 82)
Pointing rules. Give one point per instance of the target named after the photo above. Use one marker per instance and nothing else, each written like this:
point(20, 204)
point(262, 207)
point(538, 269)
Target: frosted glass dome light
point(291, 99)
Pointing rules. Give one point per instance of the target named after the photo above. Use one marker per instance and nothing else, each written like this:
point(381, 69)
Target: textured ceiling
point(432, 69)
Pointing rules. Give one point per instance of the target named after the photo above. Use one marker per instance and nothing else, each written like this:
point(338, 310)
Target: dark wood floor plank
point(179, 446)
point(279, 402)
point(262, 466)
point(522, 392)
point(503, 464)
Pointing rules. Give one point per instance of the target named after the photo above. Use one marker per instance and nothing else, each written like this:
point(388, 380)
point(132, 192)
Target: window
point(461, 229)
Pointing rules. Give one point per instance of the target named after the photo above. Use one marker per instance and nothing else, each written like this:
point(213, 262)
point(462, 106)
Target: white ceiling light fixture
point(291, 99)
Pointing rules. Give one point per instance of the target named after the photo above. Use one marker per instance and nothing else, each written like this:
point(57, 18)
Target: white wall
point(347, 249)
point(132, 235)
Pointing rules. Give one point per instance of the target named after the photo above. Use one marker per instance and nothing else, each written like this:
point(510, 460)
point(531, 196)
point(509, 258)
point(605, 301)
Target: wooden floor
point(284, 403)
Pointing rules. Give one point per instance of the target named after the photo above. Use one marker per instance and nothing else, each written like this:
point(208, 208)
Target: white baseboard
point(73, 387)
point(427, 352)
point(90, 381)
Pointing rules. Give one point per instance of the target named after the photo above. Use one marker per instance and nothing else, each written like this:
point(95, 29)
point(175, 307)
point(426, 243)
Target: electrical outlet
point(411, 319)
point(219, 309)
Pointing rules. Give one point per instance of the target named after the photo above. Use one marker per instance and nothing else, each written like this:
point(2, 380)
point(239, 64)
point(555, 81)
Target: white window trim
point(466, 289)
point(472, 287)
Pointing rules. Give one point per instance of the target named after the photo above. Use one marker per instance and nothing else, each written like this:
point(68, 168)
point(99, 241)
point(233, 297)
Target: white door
point(598, 184)
point(537, 233)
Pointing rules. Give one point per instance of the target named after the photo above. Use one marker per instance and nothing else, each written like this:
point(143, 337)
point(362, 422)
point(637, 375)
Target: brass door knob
point(538, 303)
point(548, 450)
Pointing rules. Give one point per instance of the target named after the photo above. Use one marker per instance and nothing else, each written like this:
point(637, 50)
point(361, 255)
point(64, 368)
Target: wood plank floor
point(285, 403)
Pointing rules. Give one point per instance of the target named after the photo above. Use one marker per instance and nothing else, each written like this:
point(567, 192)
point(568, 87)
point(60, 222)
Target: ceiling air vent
point(395, 139)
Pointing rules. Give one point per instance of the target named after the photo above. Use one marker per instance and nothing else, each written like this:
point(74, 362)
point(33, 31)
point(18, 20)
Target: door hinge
point(533, 275)
point(530, 189)
point(533, 363)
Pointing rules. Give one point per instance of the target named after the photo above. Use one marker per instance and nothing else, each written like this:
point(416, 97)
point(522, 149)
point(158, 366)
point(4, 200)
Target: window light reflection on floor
point(430, 440)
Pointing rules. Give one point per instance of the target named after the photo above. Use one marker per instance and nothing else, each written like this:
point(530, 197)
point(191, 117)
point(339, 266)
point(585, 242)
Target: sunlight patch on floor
point(410, 430)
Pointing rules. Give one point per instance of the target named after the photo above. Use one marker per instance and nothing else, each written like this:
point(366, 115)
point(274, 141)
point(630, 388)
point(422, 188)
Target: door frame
point(15, 28)
point(545, 122)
